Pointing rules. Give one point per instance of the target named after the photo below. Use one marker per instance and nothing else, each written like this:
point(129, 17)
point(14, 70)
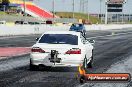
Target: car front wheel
point(85, 63)
point(90, 64)
point(32, 67)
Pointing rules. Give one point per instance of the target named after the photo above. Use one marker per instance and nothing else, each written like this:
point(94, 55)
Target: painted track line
point(110, 35)
point(13, 51)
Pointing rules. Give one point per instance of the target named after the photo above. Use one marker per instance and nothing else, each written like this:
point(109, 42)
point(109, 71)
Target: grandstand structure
point(27, 6)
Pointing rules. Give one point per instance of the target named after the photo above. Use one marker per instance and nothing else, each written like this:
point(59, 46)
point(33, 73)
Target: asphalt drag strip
point(109, 52)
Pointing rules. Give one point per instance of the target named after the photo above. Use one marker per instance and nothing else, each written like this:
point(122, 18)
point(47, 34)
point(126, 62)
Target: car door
point(88, 47)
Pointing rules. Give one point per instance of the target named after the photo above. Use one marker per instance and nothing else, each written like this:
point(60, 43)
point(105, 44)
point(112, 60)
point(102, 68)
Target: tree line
point(5, 2)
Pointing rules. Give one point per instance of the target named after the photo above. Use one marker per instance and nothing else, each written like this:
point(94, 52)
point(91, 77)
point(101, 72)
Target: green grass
point(78, 16)
point(130, 22)
point(2, 13)
point(66, 15)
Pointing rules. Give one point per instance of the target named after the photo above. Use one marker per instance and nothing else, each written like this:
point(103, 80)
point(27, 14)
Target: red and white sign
point(116, 1)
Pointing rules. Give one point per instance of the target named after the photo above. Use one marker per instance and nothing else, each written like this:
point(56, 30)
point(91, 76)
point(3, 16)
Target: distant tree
point(5, 2)
point(0, 1)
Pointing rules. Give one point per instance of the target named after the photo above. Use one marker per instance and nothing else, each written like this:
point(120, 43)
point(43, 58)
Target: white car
point(61, 49)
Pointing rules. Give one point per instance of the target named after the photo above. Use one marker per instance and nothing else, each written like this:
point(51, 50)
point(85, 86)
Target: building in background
point(115, 18)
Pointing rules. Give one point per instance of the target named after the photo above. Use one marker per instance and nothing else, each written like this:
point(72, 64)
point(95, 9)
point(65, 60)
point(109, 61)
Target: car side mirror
point(91, 41)
point(37, 39)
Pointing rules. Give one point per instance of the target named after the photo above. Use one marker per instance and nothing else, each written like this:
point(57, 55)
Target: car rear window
point(59, 39)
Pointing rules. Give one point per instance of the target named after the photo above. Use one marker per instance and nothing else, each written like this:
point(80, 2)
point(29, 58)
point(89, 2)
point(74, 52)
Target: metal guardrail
point(63, 20)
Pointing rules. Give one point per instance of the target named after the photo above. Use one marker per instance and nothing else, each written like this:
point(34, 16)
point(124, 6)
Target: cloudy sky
point(66, 5)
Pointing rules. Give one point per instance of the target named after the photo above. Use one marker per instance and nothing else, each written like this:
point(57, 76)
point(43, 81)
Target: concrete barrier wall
point(29, 29)
point(108, 27)
point(39, 29)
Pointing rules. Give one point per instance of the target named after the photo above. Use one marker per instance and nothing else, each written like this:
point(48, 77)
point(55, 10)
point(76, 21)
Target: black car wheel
point(85, 63)
point(90, 64)
point(32, 67)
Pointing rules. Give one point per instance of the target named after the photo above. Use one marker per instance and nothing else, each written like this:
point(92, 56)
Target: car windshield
point(77, 26)
point(59, 39)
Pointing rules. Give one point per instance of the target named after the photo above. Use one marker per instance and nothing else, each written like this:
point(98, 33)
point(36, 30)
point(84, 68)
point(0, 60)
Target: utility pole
point(83, 6)
point(24, 6)
point(106, 12)
point(80, 6)
point(88, 9)
point(122, 14)
point(101, 11)
point(24, 3)
point(73, 10)
point(53, 6)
